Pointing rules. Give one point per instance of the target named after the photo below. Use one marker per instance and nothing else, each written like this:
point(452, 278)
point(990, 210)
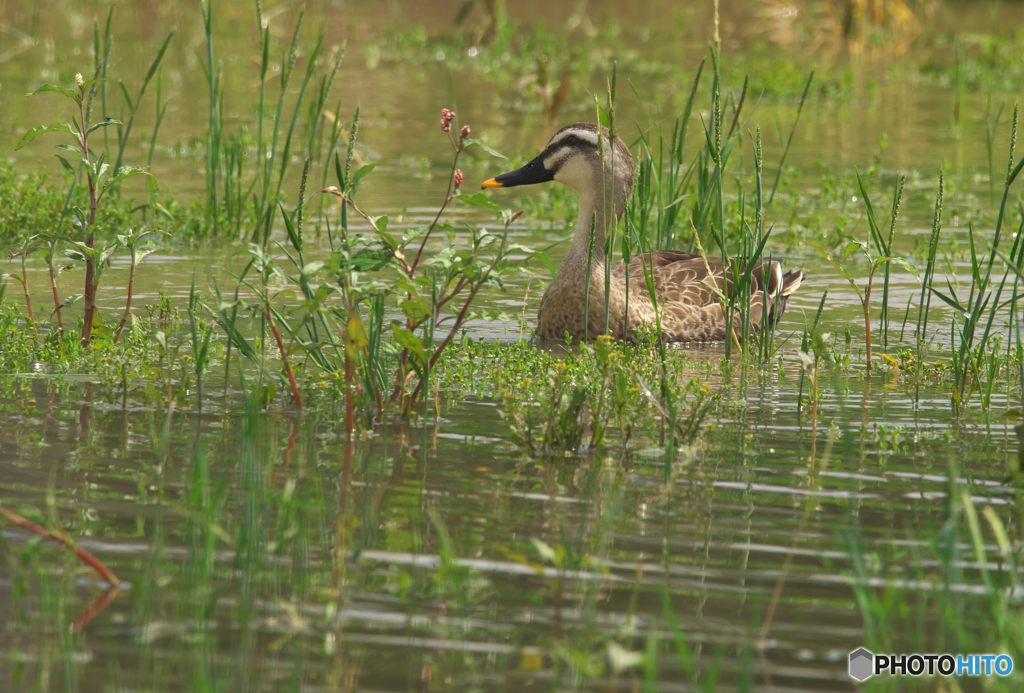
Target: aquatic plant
point(883, 247)
point(98, 181)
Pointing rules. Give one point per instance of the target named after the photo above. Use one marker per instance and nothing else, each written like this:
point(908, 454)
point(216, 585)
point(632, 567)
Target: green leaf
point(89, 83)
point(951, 302)
point(478, 143)
point(67, 166)
point(125, 172)
point(355, 336)
point(415, 308)
point(103, 124)
point(907, 266)
point(825, 254)
point(370, 260)
point(289, 226)
point(546, 261)
point(57, 90)
point(311, 268)
point(361, 173)
point(124, 92)
point(852, 247)
point(477, 200)
point(409, 341)
point(410, 235)
point(43, 130)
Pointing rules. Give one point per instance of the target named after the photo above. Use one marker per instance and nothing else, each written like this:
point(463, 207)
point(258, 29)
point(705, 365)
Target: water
point(261, 552)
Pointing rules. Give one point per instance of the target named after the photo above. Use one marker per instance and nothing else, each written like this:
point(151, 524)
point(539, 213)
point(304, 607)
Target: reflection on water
point(260, 552)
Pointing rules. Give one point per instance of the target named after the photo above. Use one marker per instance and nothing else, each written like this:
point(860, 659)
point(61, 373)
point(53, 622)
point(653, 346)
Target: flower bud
point(446, 120)
point(79, 80)
point(464, 135)
point(458, 178)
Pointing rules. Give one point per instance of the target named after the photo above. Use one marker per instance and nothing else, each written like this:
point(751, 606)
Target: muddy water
point(260, 553)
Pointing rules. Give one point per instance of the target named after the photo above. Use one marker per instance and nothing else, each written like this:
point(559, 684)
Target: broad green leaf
point(477, 200)
point(43, 130)
point(57, 90)
point(361, 173)
point(478, 143)
point(389, 240)
point(311, 268)
point(415, 308)
point(852, 247)
point(410, 235)
point(91, 82)
point(907, 266)
point(125, 172)
point(355, 334)
point(409, 341)
point(370, 260)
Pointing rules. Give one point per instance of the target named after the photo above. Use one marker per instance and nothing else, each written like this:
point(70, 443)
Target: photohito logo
point(864, 664)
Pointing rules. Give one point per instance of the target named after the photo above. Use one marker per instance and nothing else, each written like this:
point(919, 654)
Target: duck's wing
point(678, 277)
point(688, 287)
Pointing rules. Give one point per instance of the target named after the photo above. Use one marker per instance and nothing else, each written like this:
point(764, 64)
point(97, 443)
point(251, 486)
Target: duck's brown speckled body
point(689, 310)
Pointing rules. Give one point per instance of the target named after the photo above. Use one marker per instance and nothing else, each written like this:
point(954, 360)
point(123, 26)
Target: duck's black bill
point(533, 172)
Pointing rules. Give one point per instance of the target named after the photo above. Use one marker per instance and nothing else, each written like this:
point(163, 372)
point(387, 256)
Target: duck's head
point(573, 156)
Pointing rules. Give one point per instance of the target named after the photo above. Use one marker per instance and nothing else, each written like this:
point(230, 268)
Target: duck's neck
point(597, 219)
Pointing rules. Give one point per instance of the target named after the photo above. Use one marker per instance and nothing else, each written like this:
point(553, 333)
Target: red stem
point(447, 199)
point(128, 305)
point(90, 285)
point(284, 356)
point(62, 538)
point(56, 301)
point(867, 318)
point(350, 425)
point(97, 606)
point(28, 300)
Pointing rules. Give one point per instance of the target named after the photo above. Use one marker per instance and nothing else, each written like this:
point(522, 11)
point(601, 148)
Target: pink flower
point(458, 178)
point(464, 135)
point(446, 120)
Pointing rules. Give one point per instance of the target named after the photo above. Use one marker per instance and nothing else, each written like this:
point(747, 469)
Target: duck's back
point(691, 310)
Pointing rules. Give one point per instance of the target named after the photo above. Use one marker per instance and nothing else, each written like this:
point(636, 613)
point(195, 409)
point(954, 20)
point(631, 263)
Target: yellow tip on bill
point(491, 183)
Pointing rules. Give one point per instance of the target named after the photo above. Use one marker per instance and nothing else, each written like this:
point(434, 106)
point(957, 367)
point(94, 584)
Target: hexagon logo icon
point(861, 664)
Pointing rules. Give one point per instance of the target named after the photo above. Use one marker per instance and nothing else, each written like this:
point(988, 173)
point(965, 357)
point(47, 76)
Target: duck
point(690, 311)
